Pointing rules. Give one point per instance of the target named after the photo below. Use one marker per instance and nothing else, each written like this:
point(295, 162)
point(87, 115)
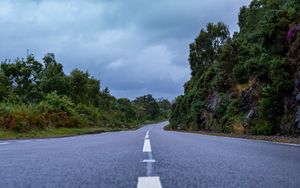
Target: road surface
point(148, 157)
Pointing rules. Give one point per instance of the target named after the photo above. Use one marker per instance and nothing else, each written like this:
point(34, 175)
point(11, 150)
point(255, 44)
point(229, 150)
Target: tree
point(124, 105)
point(25, 77)
point(5, 86)
point(165, 107)
point(106, 99)
point(85, 89)
point(206, 47)
point(93, 91)
point(149, 104)
point(164, 104)
point(53, 77)
point(78, 84)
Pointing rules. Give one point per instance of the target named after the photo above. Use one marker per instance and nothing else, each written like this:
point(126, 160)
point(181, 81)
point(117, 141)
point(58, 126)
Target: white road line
point(147, 146)
point(149, 182)
point(147, 135)
point(23, 141)
point(148, 161)
point(3, 143)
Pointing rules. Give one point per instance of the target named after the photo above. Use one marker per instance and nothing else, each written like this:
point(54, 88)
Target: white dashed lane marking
point(3, 143)
point(148, 161)
point(147, 135)
point(149, 182)
point(147, 146)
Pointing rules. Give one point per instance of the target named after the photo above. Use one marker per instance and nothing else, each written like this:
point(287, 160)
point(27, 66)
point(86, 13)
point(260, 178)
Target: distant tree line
point(36, 95)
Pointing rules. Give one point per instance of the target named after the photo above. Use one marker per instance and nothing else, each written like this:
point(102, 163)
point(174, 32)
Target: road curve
point(148, 157)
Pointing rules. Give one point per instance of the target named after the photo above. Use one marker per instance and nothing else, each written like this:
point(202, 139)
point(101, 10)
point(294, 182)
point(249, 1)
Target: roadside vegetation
point(248, 82)
point(40, 100)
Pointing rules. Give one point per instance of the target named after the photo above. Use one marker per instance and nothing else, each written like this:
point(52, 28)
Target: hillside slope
point(250, 82)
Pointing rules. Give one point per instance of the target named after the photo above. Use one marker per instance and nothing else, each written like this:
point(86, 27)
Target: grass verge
point(64, 132)
point(55, 132)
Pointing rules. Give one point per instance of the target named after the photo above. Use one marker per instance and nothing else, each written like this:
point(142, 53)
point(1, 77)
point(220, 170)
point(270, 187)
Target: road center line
point(147, 146)
point(149, 182)
point(149, 167)
point(147, 135)
point(148, 161)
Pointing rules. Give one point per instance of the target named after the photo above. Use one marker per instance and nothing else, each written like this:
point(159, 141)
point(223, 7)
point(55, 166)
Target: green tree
point(150, 106)
point(84, 88)
point(107, 101)
point(5, 86)
point(125, 106)
point(53, 77)
point(206, 47)
point(25, 77)
point(165, 107)
point(79, 83)
point(93, 91)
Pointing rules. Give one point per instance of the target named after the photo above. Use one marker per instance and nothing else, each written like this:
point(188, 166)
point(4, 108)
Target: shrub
point(24, 118)
point(92, 113)
point(262, 128)
point(271, 104)
point(57, 103)
point(196, 110)
point(17, 117)
point(240, 73)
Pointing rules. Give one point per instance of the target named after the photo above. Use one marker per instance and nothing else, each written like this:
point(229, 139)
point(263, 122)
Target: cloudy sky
point(134, 47)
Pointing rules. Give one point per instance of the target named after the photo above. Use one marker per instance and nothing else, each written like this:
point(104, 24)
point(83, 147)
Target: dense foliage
point(248, 82)
point(38, 96)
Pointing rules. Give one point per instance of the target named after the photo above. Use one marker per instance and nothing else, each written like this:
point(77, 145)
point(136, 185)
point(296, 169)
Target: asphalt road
point(148, 157)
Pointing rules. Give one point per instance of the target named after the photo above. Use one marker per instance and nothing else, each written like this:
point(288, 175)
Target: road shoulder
point(291, 140)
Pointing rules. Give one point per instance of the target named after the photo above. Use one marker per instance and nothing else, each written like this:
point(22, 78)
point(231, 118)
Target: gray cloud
point(135, 46)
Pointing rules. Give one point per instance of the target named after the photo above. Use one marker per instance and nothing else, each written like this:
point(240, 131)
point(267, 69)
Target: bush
point(271, 104)
point(19, 118)
point(93, 114)
point(196, 110)
point(56, 103)
point(222, 107)
point(240, 73)
point(262, 128)
point(62, 119)
point(25, 118)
